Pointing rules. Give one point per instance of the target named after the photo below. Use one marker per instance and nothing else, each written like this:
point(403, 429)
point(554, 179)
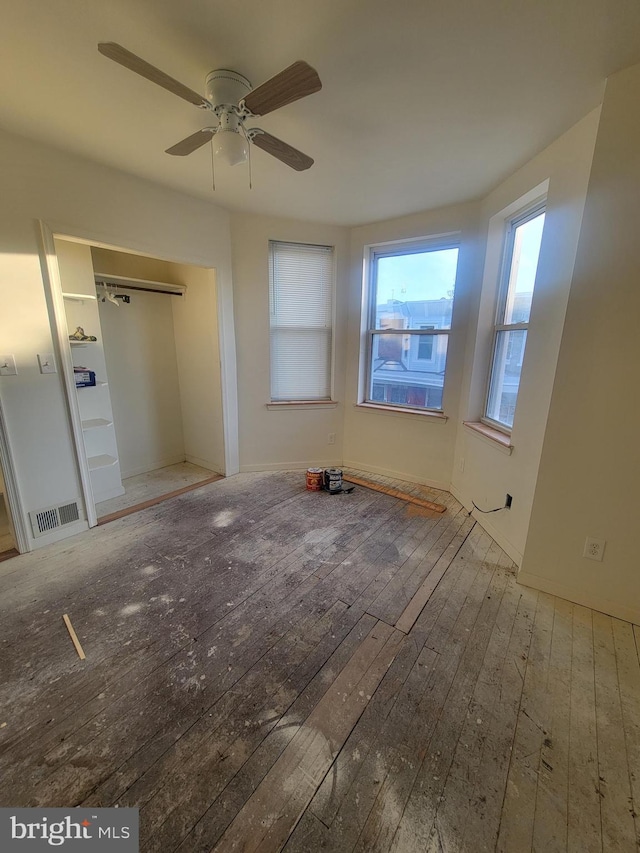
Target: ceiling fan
point(231, 98)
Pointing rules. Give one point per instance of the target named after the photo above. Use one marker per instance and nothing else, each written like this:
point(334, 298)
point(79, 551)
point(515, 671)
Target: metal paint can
point(333, 479)
point(314, 479)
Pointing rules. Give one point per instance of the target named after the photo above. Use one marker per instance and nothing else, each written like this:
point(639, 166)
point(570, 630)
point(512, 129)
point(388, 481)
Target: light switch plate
point(47, 362)
point(8, 365)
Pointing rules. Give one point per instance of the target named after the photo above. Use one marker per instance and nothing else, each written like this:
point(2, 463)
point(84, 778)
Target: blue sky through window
point(420, 275)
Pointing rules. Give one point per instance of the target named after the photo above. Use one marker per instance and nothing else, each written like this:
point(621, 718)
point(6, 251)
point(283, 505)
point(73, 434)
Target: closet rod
point(143, 289)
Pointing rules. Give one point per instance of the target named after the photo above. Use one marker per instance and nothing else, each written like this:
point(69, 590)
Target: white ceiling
point(423, 104)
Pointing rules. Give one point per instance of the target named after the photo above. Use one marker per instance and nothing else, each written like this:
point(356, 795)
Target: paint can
point(333, 479)
point(314, 479)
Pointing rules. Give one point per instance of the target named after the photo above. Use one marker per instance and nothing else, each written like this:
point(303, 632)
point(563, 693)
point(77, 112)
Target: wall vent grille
point(43, 521)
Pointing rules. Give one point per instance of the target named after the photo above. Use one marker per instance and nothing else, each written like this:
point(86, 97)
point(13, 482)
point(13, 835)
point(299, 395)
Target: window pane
point(300, 303)
point(300, 364)
point(505, 376)
point(415, 290)
point(522, 273)
point(400, 376)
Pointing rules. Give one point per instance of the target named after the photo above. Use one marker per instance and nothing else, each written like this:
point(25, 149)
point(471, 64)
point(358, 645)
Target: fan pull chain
point(213, 168)
point(249, 159)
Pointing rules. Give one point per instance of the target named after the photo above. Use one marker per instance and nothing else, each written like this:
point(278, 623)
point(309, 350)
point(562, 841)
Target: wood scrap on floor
point(74, 637)
point(395, 493)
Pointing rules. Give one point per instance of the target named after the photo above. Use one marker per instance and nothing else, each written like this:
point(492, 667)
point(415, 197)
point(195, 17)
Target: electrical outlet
point(508, 501)
point(594, 548)
point(331, 438)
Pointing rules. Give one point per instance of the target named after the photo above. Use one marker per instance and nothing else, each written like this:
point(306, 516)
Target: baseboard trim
point(151, 466)
point(59, 534)
point(602, 605)
point(498, 537)
point(289, 466)
point(397, 475)
point(205, 463)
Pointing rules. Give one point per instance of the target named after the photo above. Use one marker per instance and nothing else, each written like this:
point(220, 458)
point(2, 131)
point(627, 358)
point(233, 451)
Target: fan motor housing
point(226, 88)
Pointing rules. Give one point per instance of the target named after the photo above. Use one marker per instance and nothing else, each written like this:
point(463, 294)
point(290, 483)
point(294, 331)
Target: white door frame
point(12, 495)
point(53, 289)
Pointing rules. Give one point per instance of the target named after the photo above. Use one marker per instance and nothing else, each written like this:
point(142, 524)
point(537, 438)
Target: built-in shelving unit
point(96, 416)
point(102, 460)
point(96, 423)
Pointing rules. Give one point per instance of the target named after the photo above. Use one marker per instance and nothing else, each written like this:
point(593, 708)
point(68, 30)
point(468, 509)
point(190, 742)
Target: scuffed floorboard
point(274, 669)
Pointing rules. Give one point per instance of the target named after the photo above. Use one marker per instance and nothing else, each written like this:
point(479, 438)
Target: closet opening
point(7, 536)
point(144, 350)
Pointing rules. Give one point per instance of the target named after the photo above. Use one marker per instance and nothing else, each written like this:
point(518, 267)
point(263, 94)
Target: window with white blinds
point(301, 312)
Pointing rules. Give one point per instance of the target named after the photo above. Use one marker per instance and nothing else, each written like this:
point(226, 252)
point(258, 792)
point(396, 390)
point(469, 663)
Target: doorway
point(7, 535)
point(141, 336)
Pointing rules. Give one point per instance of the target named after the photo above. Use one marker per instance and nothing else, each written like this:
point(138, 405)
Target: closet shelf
point(97, 385)
point(101, 461)
point(81, 343)
point(94, 423)
point(78, 297)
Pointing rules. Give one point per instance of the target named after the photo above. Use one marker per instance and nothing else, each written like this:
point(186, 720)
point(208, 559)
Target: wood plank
point(122, 513)
point(239, 582)
point(618, 829)
point(395, 493)
point(392, 600)
point(393, 759)
point(472, 797)
point(551, 812)
point(628, 668)
point(212, 824)
point(159, 583)
point(584, 825)
point(516, 827)
point(416, 823)
point(74, 637)
point(270, 815)
point(424, 592)
point(482, 826)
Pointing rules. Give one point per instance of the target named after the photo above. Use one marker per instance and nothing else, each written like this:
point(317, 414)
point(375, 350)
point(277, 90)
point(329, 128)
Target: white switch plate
point(8, 366)
point(47, 362)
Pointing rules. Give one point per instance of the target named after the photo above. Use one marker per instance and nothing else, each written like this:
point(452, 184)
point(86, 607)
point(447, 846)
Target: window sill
point(399, 410)
point(302, 404)
point(499, 439)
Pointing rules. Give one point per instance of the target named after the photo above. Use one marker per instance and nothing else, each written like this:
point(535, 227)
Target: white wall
point(588, 480)
point(490, 472)
point(143, 382)
point(185, 382)
point(82, 199)
point(286, 437)
point(195, 318)
point(411, 446)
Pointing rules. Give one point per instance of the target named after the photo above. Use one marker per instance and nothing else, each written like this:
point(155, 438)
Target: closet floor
point(6, 539)
point(154, 484)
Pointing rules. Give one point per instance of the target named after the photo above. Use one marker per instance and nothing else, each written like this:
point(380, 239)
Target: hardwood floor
point(274, 669)
point(6, 537)
point(153, 485)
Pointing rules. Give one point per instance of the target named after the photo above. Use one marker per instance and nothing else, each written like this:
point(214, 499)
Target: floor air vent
point(45, 520)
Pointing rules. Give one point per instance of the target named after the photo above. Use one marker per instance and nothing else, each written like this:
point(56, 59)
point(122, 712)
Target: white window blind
point(301, 311)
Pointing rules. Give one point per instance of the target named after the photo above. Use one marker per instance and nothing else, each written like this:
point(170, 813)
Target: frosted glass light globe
point(231, 146)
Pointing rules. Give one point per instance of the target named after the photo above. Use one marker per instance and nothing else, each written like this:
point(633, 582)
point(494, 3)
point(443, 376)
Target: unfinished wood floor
point(273, 669)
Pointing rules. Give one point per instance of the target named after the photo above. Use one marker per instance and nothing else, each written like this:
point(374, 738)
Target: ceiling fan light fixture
point(230, 146)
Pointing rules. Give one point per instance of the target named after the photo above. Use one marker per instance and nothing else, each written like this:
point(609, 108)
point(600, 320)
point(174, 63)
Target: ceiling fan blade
point(191, 143)
point(289, 155)
point(295, 82)
point(124, 57)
